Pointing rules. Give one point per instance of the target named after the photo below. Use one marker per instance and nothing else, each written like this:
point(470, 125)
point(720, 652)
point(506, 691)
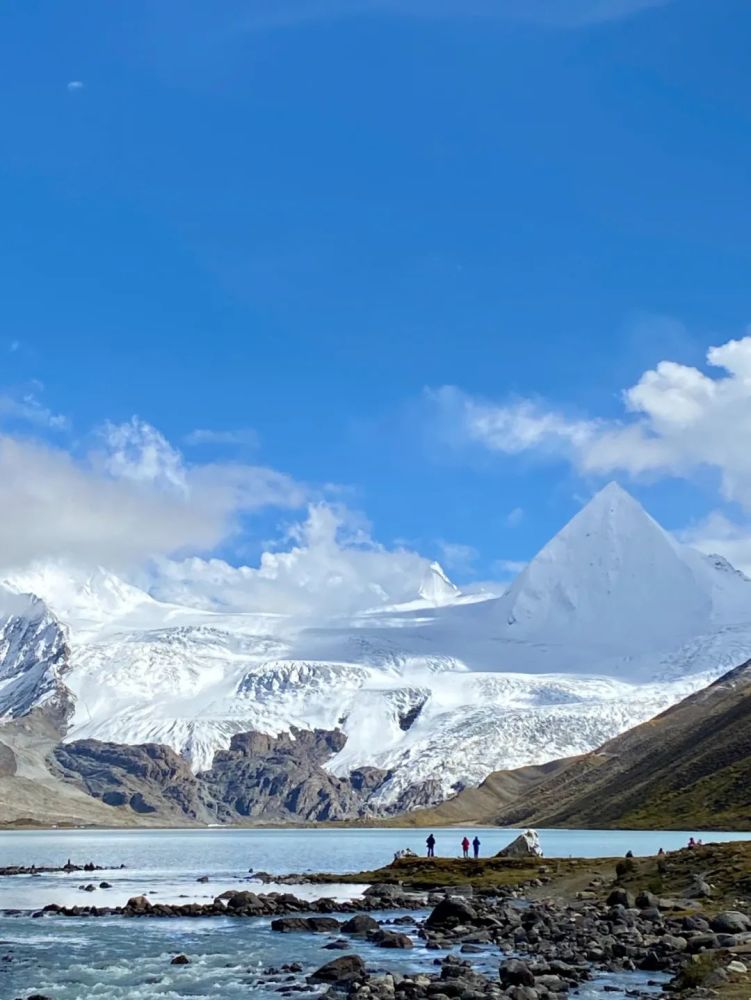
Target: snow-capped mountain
point(33, 656)
point(612, 622)
point(613, 577)
point(436, 588)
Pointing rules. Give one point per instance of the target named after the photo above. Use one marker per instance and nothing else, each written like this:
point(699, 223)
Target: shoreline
point(553, 923)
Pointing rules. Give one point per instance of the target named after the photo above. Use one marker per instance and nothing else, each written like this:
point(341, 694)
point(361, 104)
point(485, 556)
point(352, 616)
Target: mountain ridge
point(687, 768)
point(447, 691)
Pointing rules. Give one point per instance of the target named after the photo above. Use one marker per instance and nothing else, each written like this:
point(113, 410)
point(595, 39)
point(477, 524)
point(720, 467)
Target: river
point(79, 959)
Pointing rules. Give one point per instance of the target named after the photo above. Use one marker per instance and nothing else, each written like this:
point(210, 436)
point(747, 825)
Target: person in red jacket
point(465, 847)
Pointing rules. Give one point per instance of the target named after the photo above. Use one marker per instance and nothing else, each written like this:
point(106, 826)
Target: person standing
point(431, 845)
point(465, 847)
point(476, 846)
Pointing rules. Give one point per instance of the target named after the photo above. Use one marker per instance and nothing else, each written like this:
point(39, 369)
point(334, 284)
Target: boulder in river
point(450, 912)
point(341, 970)
point(391, 939)
point(361, 923)
point(318, 925)
point(516, 973)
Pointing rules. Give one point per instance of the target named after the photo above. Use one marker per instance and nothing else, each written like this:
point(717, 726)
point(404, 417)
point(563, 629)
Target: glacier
point(609, 624)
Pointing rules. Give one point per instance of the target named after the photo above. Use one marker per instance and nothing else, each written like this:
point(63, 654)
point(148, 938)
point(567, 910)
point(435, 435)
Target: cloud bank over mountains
point(127, 498)
point(677, 421)
point(132, 502)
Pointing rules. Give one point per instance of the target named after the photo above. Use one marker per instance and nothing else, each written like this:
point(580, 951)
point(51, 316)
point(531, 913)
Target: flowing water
point(73, 959)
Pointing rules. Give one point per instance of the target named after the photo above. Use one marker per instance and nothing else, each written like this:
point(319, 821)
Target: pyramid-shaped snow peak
point(613, 577)
point(436, 588)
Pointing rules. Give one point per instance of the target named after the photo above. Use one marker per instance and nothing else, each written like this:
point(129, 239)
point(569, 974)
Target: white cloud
point(135, 505)
point(74, 86)
point(515, 516)
point(133, 498)
point(457, 556)
point(137, 451)
point(331, 566)
point(508, 567)
point(677, 421)
point(23, 405)
point(239, 436)
point(718, 534)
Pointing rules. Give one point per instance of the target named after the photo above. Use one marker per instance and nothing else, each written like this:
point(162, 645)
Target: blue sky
point(290, 226)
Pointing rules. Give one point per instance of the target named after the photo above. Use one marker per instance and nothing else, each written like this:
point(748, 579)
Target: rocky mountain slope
point(610, 624)
point(260, 778)
point(688, 768)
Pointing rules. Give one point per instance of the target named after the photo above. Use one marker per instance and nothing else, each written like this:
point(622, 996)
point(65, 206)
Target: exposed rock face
point(283, 777)
point(260, 776)
point(148, 779)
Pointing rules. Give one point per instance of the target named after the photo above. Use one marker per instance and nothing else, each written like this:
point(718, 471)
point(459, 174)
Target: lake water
point(71, 959)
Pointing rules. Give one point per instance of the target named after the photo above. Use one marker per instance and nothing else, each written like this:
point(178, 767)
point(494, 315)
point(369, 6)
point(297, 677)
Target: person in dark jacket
point(465, 847)
point(476, 846)
point(431, 845)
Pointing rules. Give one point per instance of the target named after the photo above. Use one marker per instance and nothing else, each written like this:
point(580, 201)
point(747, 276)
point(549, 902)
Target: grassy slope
point(688, 768)
point(482, 804)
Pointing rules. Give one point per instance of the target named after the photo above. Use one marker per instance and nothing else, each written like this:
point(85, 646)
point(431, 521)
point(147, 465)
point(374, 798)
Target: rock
point(361, 923)
point(647, 901)
point(318, 925)
point(345, 969)
point(323, 925)
point(672, 942)
point(105, 885)
point(526, 845)
point(523, 993)
point(699, 889)
point(287, 925)
point(384, 890)
point(180, 960)
point(621, 897)
point(739, 968)
point(202, 878)
point(702, 942)
point(695, 923)
point(451, 912)
point(391, 939)
point(138, 903)
point(244, 901)
point(730, 922)
point(554, 984)
point(149, 778)
point(516, 973)
point(341, 944)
